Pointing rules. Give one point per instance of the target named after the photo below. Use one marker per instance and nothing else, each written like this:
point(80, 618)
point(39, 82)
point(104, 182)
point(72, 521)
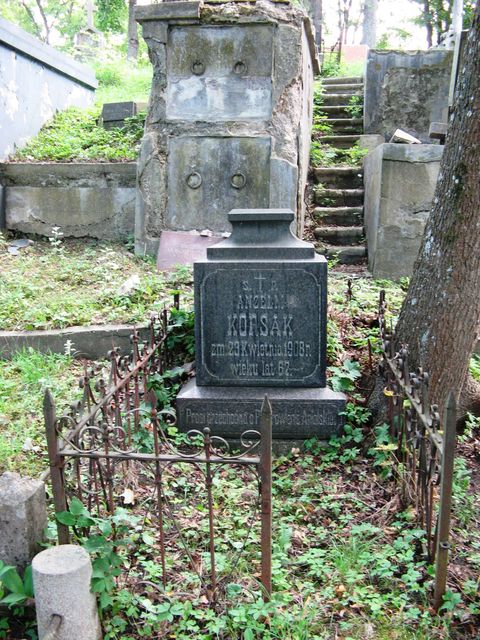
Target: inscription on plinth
point(261, 328)
point(296, 413)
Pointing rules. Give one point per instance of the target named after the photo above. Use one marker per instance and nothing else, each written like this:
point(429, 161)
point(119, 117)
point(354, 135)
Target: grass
point(348, 562)
point(121, 82)
point(331, 67)
point(23, 381)
point(88, 275)
point(75, 135)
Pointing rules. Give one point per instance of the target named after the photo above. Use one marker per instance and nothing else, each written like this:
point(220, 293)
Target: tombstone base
point(298, 414)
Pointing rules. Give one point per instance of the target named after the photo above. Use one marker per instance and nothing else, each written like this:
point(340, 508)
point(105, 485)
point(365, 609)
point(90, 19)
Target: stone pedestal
point(229, 118)
point(260, 323)
point(297, 414)
point(23, 517)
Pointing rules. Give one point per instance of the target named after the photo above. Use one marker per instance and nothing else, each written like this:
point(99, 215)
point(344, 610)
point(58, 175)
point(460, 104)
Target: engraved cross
point(259, 278)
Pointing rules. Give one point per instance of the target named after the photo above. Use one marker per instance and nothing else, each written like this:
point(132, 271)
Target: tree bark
point(427, 16)
point(132, 50)
point(369, 29)
point(315, 12)
point(439, 320)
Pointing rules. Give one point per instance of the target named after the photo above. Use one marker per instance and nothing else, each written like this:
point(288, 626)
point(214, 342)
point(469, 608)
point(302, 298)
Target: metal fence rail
point(118, 435)
point(425, 450)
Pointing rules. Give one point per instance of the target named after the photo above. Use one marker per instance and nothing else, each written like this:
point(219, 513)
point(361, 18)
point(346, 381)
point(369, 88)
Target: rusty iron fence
point(425, 448)
point(118, 438)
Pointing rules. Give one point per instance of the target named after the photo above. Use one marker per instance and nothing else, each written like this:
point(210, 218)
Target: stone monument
point(229, 118)
point(260, 328)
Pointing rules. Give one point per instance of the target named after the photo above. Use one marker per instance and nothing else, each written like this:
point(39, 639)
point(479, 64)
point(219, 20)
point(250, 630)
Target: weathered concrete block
point(61, 580)
point(23, 517)
point(399, 185)
point(91, 342)
point(406, 90)
point(84, 199)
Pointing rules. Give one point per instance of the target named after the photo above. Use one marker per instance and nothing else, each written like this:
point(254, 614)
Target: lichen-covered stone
point(406, 90)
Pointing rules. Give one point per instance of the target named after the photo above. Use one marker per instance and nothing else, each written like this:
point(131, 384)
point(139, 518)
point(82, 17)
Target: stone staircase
point(338, 190)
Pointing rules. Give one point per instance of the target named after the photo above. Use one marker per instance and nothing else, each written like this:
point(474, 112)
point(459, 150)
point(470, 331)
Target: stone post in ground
point(61, 581)
point(23, 517)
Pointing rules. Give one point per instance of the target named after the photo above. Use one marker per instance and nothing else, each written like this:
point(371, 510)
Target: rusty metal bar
point(265, 473)
point(56, 463)
point(443, 531)
point(159, 488)
point(53, 629)
point(150, 457)
point(109, 394)
point(211, 524)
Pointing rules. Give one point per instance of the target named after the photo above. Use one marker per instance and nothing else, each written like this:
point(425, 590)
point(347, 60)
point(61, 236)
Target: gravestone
point(114, 113)
point(260, 328)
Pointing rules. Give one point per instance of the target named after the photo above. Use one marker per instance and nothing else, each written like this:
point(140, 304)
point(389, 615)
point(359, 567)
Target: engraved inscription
point(303, 417)
point(263, 329)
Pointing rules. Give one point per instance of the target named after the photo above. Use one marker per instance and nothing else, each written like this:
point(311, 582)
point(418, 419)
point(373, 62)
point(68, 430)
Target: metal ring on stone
point(194, 180)
point(238, 180)
point(198, 67)
point(239, 68)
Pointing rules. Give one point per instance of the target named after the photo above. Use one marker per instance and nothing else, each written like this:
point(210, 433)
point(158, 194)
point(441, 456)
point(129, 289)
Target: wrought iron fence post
point(265, 472)
point(55, 460)
point(443, 531)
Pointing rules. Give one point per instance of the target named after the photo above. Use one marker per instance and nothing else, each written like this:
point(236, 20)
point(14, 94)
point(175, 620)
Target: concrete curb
point(91, 342)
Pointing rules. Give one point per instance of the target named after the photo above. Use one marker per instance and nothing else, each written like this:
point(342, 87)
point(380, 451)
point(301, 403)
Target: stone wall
point(229, 118)
point(406, 90)
point(399, 185)
point(35, 82)
point(84, 199)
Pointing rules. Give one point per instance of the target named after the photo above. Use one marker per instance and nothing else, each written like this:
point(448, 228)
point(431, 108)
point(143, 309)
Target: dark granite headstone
point(114, 113)
point(260, 322)
point(260, 306)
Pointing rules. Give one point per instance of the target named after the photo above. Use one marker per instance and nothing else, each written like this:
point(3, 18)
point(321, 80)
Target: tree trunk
point(132, 50)
point(369, 30)
point(439, 320)
point(315, 13)
point(427, 16)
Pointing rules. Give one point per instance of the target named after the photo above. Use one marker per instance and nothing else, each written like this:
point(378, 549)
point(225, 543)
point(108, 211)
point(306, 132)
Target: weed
point(343, 378)
point(355, 106)
point(56, 240)
point(17, 591)
point(475, 366)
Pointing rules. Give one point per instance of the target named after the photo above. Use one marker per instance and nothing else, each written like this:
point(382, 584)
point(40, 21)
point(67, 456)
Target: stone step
point(339, 235)
point(338, 98)
point(340, 216)
point(343, 88)
point(339, 197)
point(341, 142)
point(339, 177)
point(343, 80)
point(338, 111)
point(347, 126)
point(345, 255)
